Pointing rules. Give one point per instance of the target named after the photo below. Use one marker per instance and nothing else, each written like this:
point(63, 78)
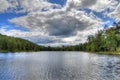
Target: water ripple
point(59, 66)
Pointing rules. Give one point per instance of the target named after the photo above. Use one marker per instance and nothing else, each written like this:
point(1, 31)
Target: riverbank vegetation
point(105, 41)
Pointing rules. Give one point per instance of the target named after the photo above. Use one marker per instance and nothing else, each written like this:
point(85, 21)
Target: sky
point(56, 22)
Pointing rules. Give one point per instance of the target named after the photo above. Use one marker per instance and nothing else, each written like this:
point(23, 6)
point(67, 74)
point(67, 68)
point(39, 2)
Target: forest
point(105, 40)
point(13, 44)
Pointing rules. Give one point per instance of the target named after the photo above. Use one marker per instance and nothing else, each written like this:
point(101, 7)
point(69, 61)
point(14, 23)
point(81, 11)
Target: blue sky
point(5, 16)
point(101, 16)
point(4, 21)
point(61, 2)
point(69, 20)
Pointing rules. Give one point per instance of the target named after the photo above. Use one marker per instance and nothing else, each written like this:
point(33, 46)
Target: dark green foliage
point(107, 40)
point(16, 44)
point(104, 40)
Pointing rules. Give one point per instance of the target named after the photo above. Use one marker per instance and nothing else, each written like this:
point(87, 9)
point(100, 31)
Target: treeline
point(106, 40)
point(13, 44)
point(63, 48)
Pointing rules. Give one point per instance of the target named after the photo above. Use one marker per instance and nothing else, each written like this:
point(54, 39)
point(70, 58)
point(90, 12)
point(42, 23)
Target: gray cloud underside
point(63, 25)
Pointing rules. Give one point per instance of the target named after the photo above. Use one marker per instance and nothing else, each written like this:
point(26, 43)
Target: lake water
point(59, 66)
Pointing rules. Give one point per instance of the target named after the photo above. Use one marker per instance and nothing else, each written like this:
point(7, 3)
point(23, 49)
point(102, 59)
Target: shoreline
point(107, 53)
point(102, 53)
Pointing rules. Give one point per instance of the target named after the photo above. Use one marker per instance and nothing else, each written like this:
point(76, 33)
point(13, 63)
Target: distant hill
point(106, 40)
point(13, 44)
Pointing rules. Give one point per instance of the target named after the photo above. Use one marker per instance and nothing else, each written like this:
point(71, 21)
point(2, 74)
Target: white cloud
point(115, 14)
point(4, 5)
point(35, 5)
point(49, 40)
point(38, 5)
point(100, 5)
point(22, 6)
point(63, 25)
point(60, 25)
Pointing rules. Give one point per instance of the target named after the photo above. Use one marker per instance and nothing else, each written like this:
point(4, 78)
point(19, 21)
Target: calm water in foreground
point(59, 66)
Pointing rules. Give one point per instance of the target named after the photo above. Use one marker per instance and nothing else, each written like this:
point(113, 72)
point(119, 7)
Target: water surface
point(59, 66)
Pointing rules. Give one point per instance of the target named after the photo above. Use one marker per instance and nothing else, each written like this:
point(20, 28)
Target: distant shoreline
point(101, 53)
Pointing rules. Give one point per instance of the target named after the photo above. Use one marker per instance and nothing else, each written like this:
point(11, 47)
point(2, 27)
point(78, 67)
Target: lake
point(59, 66)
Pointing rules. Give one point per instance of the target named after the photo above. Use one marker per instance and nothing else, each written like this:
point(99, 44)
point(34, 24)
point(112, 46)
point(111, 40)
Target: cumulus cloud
point(4, 5)
point(53, 24)
point(45, 40)
point(96, 5)
point(38, 5)
point(60, 25)
point(35, 5)
point(115, 13)
point(88, 3)
point(21, 6)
